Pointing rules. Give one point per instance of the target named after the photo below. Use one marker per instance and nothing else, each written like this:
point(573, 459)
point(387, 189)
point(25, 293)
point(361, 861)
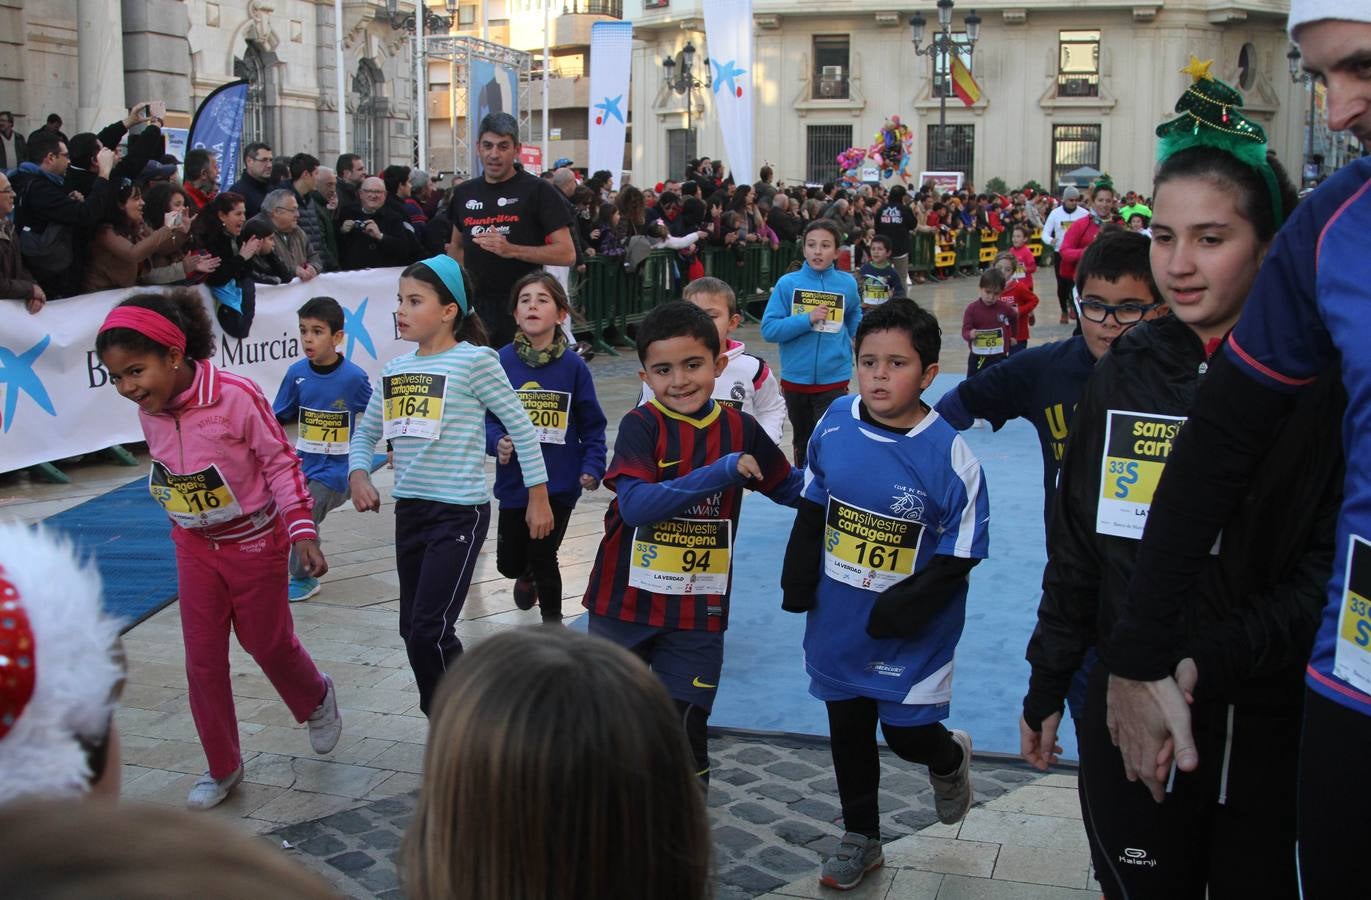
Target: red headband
point(17, 669)
point(147, 323)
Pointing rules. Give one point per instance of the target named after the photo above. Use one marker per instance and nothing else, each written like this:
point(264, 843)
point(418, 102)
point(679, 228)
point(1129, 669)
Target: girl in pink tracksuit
point(225, 473)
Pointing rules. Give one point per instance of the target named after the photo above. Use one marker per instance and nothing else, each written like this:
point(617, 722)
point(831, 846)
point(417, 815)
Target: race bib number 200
point(866, 549)
point(1352, 654)
point(1136, 447)
point(548, 411)
point(413, 405)
point(682, 556)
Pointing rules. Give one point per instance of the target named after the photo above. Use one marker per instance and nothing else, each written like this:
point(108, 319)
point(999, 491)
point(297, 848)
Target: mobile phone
point(147, 111)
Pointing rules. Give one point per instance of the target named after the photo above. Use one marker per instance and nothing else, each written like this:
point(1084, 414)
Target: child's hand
point(504, 450)
point(311, 558)
point(748, 468)
point(364, 495)
point(390, 459)
point(1040, 750)
point(538, 516)
point(589, 482)
point(818, 314)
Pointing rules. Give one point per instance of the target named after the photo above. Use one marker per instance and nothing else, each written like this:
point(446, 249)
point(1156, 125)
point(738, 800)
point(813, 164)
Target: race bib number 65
point(413, 405)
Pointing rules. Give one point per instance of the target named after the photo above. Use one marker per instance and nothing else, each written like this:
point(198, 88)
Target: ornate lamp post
point(417, 24)
point(1299, 76)
point(685, 81)
point(941, 46)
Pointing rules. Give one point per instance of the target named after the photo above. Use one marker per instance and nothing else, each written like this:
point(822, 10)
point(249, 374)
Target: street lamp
point(685, 82)
point(1299, 76)
point(417, 23)
point(941, 46)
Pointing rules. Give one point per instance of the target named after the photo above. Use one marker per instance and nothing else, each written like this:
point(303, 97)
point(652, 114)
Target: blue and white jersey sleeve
point(965, 523)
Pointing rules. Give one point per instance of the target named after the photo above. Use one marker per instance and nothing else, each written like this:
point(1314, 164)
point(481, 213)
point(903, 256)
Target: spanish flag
point(963, 85)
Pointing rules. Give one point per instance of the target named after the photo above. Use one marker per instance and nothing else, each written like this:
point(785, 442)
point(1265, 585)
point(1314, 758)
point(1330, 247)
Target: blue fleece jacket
point(809, 356)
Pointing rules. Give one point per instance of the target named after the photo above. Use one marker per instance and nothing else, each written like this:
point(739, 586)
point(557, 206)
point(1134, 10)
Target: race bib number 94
point(194, 500)
point(413, 405)
point(868, 550)
point(803, 302)
point(1352, 654)
point(549, 411)
point(326, 431)
point(682, 556)
point(1136, 447)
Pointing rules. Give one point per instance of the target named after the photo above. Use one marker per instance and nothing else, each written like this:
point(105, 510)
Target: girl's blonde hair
point(556, 768)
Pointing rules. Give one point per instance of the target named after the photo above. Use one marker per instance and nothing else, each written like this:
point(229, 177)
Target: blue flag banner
point(218, 126)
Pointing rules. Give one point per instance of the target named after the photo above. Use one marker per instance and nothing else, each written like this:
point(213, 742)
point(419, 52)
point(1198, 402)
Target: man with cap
point(1307, 310)
point(1054, 232)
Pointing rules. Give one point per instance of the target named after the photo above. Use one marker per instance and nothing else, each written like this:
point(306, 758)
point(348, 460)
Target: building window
point(942, 82)
point(368, 120)
point(680, 150)
point(1074, 146)
point(466, 16)
point(832, 67)
point(823, 143)
point(1247, 67)
point(1078, 67)
point(253, 69)
point(955, 153)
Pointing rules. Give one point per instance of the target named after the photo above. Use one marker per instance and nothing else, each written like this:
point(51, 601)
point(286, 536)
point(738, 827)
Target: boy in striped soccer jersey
point(662, 575)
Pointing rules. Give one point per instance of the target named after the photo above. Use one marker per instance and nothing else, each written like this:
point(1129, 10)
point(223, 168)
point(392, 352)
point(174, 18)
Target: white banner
point(728, 28)
point(57, 400)
point(611, 46)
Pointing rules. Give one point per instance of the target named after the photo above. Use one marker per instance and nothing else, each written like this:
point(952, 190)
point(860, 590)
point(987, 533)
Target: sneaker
point(303, 588)
point(325, 724)
point(952, 794)
point(856, 855)
point(525, 592)
point(209, 793)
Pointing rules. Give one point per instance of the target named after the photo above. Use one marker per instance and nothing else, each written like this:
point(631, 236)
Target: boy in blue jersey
point(325, 392)
point(661, 580)
point(881, 565)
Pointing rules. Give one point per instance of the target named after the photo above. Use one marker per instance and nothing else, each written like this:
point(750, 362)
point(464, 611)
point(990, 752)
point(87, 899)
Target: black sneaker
point(525, 592)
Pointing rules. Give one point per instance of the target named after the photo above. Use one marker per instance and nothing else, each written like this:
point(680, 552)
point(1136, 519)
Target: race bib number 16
point(1352, 655)
point(413, 405)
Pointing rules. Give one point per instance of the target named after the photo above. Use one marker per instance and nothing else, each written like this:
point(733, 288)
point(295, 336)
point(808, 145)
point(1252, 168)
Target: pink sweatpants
point(242, 586)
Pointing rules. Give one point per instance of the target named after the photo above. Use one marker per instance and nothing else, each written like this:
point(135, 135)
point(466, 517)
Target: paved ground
point(773, 801)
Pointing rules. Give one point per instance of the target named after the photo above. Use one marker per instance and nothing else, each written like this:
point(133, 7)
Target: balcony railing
point(612, 8)
point(1078, 85)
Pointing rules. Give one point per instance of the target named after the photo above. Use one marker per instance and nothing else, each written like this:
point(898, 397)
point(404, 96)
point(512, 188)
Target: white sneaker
point(209, 793)
point(325, 724)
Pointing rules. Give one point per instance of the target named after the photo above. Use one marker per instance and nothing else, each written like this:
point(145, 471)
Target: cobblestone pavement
point(773, 803)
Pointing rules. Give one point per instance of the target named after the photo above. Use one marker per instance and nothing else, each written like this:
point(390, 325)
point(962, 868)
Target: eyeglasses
point(261, 159)
point(1098, 311)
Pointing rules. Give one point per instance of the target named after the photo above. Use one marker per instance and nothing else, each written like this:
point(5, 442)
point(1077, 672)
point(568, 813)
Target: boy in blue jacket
point(813, 315)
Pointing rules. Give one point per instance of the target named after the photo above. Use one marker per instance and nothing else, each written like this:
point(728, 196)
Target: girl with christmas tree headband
point(1257, 600)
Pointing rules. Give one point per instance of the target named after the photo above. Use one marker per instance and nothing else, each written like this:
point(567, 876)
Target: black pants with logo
point(1227, 828)
point(1335, 796)
point(805, 411)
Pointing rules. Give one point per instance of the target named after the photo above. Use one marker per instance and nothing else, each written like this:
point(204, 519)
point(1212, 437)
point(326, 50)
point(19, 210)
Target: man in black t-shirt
point(896, 221)
point(512, 223)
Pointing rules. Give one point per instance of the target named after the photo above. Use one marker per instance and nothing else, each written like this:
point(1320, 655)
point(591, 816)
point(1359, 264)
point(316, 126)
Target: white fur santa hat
point(1302, 12)
point(60, 666)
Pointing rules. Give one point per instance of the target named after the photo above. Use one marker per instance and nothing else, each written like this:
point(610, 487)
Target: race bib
point(682, 556)
point(326, 431)
point(549, 411)
point(866, 549)
point(875, 291)
point(1352, 653)
point(413, 405)
point(804, 302)
point(195, 500)
point(987, 341)
point(1136, 447)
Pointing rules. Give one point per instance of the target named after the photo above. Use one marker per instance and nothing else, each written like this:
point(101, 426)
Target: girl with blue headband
point(431, 406)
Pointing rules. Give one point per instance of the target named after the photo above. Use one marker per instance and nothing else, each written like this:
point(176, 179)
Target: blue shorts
point(901, 715)
point(686, 660)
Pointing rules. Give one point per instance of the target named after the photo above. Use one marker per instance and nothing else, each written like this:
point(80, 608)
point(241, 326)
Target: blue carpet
point(130, 538)
point(764, 686)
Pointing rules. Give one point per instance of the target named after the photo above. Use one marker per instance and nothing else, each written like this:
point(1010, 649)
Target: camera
point(360, 224)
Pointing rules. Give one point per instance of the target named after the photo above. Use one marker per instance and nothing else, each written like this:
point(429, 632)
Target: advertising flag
point(493, 88)
point(963, 85)
point(218, 126)
point(728, 28)
point(611, 46)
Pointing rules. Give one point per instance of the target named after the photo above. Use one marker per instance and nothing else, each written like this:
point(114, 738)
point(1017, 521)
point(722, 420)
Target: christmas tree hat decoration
point(1211, 116)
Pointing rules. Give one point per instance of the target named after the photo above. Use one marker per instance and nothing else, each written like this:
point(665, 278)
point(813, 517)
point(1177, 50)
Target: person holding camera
point(372, 235)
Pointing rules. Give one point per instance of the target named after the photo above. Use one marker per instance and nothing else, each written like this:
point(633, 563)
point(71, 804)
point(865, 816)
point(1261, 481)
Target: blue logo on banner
point(218, 126)
point(16, 375)
point(727, 73)
point(609, 107)
point(354, 326)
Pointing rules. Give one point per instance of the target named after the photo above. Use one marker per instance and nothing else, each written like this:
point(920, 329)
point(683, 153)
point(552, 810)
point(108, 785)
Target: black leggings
point(1334, 796)
point(857, 761)
point(1227, 828)
point(805, 411)
point(1065, 287)
point(518, 555)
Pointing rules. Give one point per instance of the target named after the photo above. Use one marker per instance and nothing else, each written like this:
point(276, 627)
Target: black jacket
point(253, 190)
point(42, 203)
point(1251, 621)
point(398, 246)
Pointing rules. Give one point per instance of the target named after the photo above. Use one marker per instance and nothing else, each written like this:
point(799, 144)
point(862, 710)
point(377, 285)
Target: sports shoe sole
point(312, 592)
point(830, 882)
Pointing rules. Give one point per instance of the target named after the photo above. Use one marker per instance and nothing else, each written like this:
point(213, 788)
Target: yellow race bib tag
point(1352, 653)
point(682, 556)
point(326, 431)
point(804, 302)
point(412, 405)
point(549, 411)
point(868, 550)
point(194, 500)
point(1136, 447)
point(875, 291)
point(987, 341)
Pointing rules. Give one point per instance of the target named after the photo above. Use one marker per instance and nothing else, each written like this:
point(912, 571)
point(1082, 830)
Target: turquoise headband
point(446, 268)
